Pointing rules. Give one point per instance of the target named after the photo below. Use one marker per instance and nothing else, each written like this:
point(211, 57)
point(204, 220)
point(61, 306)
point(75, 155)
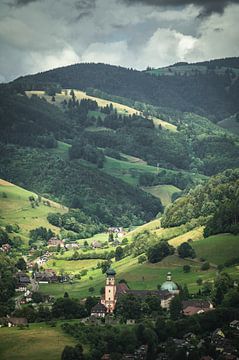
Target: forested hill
point(214, 204)
point(210, 93)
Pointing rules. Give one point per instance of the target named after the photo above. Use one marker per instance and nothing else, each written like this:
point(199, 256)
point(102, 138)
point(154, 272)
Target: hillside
point(219, 66)
point(215, 203)
point(79, 95)
point(209, 93)
point(218, 249)
point(231, 124)
point(15, 208)
point(78, 184)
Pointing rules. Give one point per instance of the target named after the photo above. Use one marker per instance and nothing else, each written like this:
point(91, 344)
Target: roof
point(162, 294)
point(121, 288)
point(110, 271)
point(99, 308)
point(169, 285)
point(17, 321)
point(201, 304)
point(192, 310)
point(234, 322)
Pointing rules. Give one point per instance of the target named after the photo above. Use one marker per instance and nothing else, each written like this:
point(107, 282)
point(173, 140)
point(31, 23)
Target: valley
point(118, 205)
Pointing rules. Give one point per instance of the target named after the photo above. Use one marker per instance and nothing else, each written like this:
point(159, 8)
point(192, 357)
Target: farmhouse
point(12, 321)
point(5, 248)
point(96, 244)
point(22, 281)
point(47, 276)
point(54, 242)
point(113, 291)
point(192, 307)
point(72, 246)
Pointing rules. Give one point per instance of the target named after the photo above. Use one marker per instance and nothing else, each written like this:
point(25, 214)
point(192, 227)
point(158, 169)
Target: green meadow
point(15, 208)
point(218, 248)
point(163, 192)
point(38, 342)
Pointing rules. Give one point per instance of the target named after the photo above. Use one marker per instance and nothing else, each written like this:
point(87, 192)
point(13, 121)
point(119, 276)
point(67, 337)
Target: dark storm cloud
point(208, 6)
point(23, 2)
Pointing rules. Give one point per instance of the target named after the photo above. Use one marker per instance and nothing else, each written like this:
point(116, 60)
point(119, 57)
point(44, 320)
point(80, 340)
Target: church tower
point(109, 299)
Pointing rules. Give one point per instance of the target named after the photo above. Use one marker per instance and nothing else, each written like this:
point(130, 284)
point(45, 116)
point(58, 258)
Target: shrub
point(205, 266)
point(187, 268)
point(199, 281)
point(142, 259)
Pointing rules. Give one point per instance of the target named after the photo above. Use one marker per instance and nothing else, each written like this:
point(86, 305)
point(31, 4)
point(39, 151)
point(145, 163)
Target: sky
point(37, 35)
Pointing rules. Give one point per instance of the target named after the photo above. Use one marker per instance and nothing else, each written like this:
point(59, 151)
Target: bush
point(159, 251)
point(199, 281)
point(205, 266)
point(142, 259)
point(185, 250)
point(186, 268)
point(91, 289)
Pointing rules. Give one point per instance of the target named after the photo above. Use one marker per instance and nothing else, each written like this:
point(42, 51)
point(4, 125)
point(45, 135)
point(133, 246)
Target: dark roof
point(110, 272)
point(98, 308)
point(121, 288)
point(162, 294)
point(202, 304)
point(22, 278)
point(17, 321)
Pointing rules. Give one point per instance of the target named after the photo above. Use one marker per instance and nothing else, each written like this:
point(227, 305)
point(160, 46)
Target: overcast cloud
point(37, 35)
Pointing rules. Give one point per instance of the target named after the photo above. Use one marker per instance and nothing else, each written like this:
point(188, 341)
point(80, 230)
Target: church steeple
point(110, 291)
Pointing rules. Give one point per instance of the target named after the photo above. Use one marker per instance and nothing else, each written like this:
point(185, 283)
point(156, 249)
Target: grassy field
point(138, 276)
point(218, 248)
point(38, 342)
point(61, 150)
point(152, 225)
point(71, 267)
point(163, 192)
point(126, 170)
point(121, 109)
point(15, 208)
point(195, 235)
point(165, 125)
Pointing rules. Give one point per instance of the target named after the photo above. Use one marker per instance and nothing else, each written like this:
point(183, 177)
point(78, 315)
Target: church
point(113, 291)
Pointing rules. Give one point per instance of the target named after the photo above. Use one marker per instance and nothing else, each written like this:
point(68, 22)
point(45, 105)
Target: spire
point(110, 272)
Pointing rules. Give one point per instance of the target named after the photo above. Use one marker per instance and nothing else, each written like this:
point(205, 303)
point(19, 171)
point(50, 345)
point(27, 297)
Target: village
point(118, 303)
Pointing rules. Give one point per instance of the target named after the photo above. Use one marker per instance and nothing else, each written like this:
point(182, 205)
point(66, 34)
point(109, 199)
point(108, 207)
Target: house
point(98, 311)
point(234, 325)
point(192, 307)
point(6, 248)
point(47, 276)
point(14, 321)
point(22, 281)
point(97, 244)
point(118, 231)
point(72, 246)
point(54, 242)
